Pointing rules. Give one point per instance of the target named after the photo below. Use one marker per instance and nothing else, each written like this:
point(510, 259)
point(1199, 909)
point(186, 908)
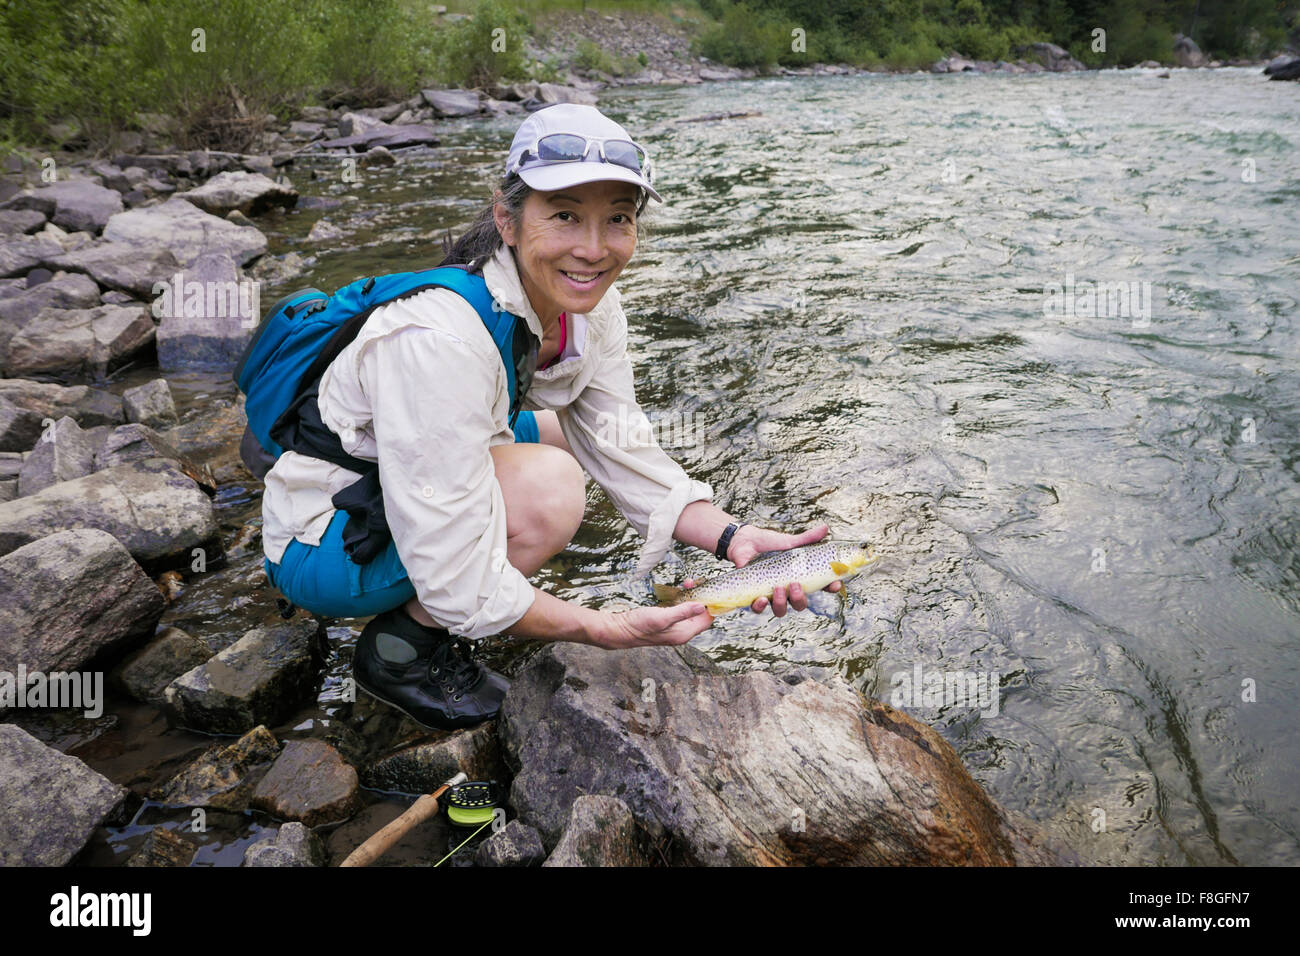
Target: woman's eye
point(558, 214)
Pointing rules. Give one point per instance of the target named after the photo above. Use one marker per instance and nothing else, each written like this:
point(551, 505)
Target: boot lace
point(453, 666)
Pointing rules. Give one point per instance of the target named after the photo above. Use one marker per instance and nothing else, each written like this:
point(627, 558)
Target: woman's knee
point(544, 489)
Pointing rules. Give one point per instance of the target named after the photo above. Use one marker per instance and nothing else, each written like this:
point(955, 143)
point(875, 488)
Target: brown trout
point(814, 566)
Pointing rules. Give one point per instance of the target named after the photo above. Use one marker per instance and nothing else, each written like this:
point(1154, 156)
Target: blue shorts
point(324, 580)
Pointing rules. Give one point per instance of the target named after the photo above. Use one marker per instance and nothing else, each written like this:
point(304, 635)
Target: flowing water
point(868, 306)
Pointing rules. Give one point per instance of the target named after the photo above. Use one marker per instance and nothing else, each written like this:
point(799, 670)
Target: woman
point(475, 507)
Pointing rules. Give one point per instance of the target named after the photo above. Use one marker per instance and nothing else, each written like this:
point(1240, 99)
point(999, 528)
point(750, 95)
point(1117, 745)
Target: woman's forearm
point(701, 523)
point(551, 619)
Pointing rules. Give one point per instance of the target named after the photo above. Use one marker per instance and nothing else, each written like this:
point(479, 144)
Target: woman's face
point(583, 230)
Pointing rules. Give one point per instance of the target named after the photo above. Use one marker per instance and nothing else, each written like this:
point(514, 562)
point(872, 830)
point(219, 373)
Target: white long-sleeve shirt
point(422, 391)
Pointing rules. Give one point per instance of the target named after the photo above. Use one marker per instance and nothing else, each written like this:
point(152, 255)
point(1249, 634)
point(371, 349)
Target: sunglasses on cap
point(573, 148)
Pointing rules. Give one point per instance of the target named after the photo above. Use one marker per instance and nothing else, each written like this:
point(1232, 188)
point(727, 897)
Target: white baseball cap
point(587, 122)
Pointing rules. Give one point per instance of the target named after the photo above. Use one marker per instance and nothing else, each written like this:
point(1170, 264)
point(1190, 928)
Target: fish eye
point(863, 545)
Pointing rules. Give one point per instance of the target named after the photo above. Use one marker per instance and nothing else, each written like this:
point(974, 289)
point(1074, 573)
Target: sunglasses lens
point(561, 147)
point(624, 154)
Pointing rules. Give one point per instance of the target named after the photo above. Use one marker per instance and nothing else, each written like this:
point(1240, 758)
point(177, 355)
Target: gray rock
point(11, 463)
point(224, 776)
point(146, 673)
point(76, 205)
point(27, 408)
point(1186, 52)
point(186, 231)
point(153, 508)
point(452, 102)
point(260, 679)
point(550, 93)
point(250, 193)
point(163, 847)
point(62, 453)
point(89, 341)
point(132, 267)
point(212, 333)
point(137, 442)
point(513, 845)
point(1055, 58)
point(378, 156)
point(293, 845)
point(1284, 71)
point(359, 124)
point(601, 832)
point(63, 291)
point(304, 130)
point(21, 254)
point(502, 107)
point(426, 766)
point(323, 231)
point(116, 605)
point(740, 769)
point(16, 222)
point(150, 404)
point(389, 136)
point(516, 92)
point(50, 803)
point(309, 782)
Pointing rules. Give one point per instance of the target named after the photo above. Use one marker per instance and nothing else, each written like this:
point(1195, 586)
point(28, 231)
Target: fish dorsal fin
point(839, 567)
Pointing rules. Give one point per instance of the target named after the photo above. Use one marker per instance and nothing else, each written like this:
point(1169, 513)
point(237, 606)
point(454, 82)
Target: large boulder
point(77, 205)
point(50, 803)
point(27, 408)
point(1186, 52)
point(88, 341)
point(250, 193)
point(157, 512)
point(741, 769)
point(71, 598)
point(549, 93)
point(131, 267)
point(309, 782)
point(260, 679)
point(209, 323)
point(453, 102)
point(63, 453)
point(186, 231)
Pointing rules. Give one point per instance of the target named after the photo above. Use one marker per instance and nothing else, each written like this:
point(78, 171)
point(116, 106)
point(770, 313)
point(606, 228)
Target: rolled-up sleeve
point(433, 396)
point(611, 438)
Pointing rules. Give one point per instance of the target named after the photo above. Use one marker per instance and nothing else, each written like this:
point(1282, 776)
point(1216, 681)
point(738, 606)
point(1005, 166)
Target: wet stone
point(515, 844)
point(294, 845)
point(601, 832)
point(164, 847)
point(146, 673)
point(223, 778)
point(310, 782)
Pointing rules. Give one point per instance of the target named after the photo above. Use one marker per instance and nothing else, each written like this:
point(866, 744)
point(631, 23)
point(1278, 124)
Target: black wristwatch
point(724, 542)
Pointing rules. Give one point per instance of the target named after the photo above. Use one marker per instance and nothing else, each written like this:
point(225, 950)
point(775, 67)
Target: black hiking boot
point(425, 673)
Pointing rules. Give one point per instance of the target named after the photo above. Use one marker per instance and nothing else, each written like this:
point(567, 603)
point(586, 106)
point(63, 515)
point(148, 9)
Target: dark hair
point(478, 243)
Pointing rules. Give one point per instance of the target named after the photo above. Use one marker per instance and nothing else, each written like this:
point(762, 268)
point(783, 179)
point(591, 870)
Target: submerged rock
point(515, 844)
point(250, 193)
point(70, 598)
point(164, 847)
point(309, 782)
point(601, 832)
point(293, 845)
point(260, 679)
point(223, 778)
point(50, 803)
point(741, 769)
point(151, 506)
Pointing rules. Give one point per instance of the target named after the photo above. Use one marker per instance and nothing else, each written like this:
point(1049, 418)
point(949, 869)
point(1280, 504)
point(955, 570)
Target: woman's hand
point(648, 626)
point(749, 542)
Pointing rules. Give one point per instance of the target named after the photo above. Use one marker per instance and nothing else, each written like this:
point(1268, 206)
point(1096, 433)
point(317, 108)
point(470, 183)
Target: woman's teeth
point(582, 278)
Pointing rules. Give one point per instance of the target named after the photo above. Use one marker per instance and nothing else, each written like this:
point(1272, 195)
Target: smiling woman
point(473, 505)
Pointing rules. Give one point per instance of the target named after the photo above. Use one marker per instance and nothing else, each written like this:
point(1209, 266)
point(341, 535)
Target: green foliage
point(592, 56)
point(746, 38)
point(467, 53)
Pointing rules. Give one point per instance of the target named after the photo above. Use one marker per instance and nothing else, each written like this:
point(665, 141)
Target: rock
point(186, 231)
point(146, 673)
point(27, 408)
point(502, 107)
point(62, 453)
point(309, 782)
point(384, 135)
point(516, 92)
point(115, 606)
point(163, 847)
point(446, 103)
point(385, 114)
point(209, 326)
point(150, 506)
point(740, 769)
point(1186, 52)
point(224, 776)
point(513, 845)
point(600, 832)
point(1054, 58)
point(250, 193)
point(378, 156)
point(50, 803)
point(293, 845)
point(424, 767)
point(317, 114)
point(953, 64)
point(305, 130)
point(150, 404)
point(359, 124)
point(260, 679)
point(132, 267)
point(136, 442)
point(20, 254)
point(76, 205)
point(62, 291)
point(87, 341)
point(16, 222)
point(323, 231)
point(1284, 71)
point(550, 93)
point(239, 219)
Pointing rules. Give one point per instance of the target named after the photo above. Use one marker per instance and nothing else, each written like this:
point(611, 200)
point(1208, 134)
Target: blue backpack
point(280, 371)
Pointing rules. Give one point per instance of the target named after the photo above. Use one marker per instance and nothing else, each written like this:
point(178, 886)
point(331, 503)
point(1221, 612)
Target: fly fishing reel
point(473, 803)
